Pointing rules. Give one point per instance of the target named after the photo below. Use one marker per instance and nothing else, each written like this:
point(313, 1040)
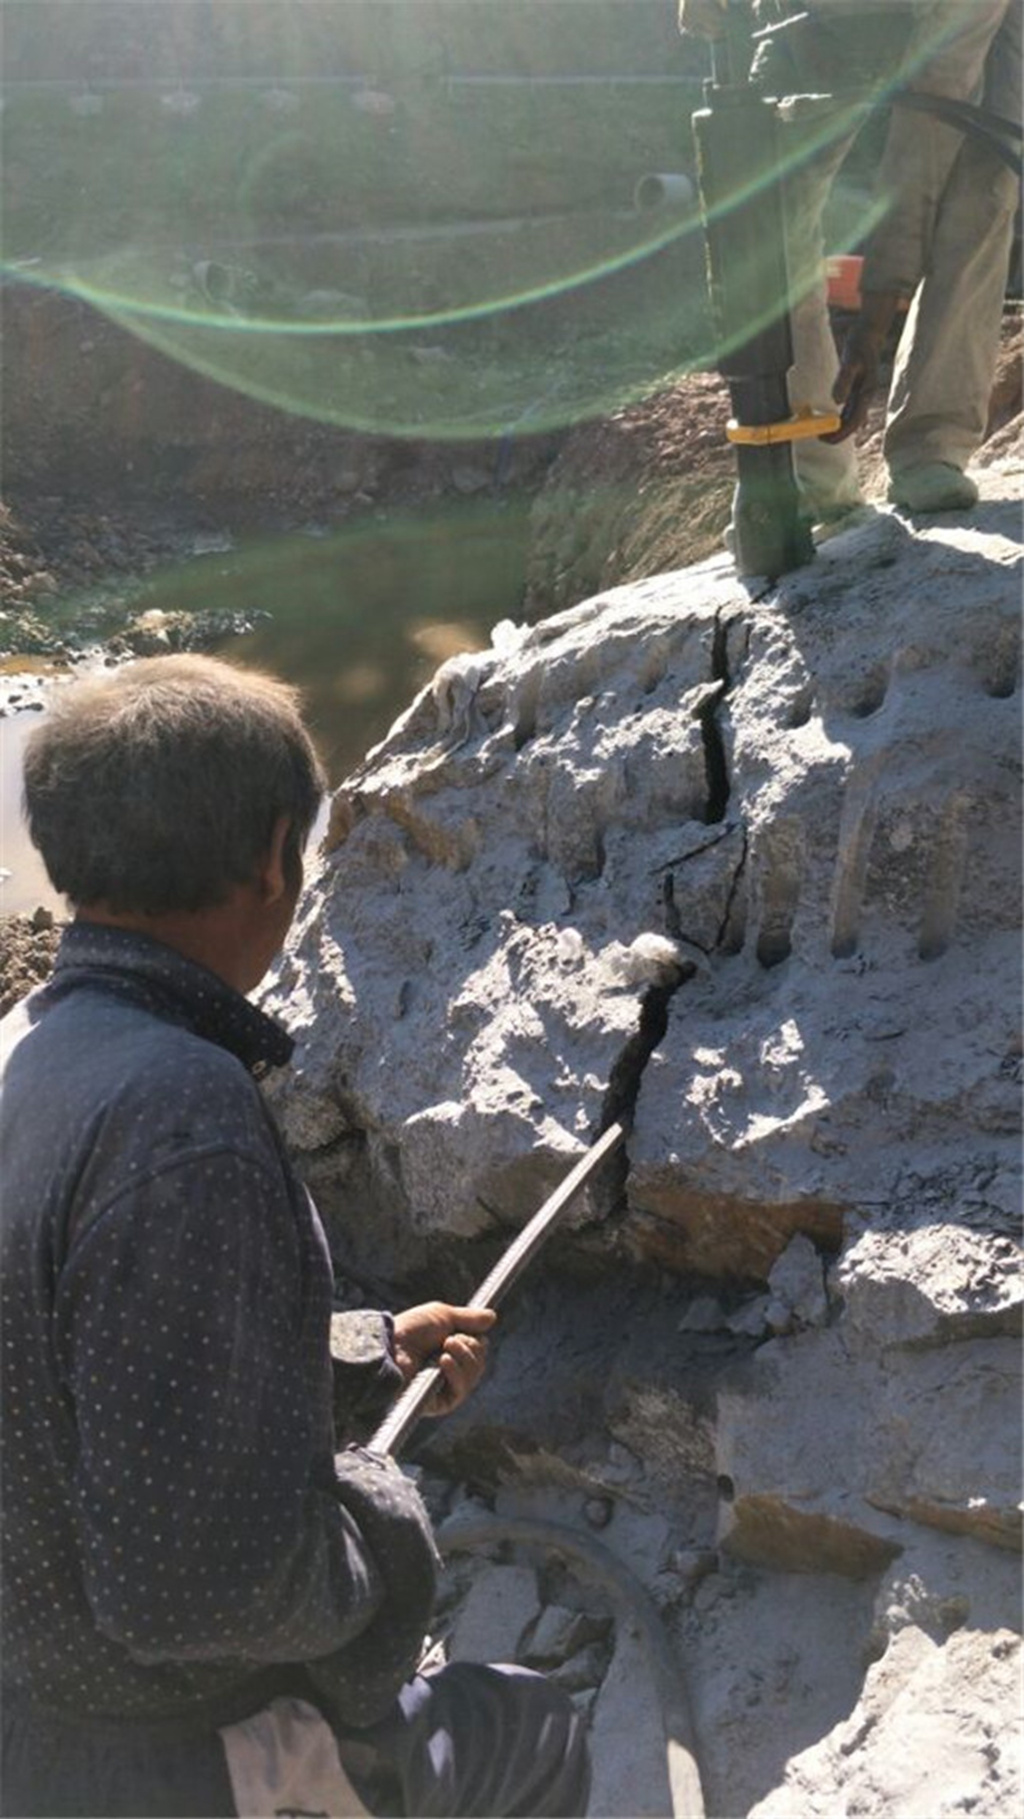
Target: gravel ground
point(28, 945)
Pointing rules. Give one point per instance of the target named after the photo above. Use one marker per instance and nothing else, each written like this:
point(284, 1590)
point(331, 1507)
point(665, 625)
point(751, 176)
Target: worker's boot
point(932, 486)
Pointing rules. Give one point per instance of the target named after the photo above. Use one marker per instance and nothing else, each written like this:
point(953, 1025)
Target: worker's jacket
point(181, 1530)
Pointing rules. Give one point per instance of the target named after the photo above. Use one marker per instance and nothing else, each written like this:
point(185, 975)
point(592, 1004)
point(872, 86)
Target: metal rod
point(397, 1425)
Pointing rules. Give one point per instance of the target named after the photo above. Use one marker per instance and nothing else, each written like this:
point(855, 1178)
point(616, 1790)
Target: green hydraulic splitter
point(738, 161)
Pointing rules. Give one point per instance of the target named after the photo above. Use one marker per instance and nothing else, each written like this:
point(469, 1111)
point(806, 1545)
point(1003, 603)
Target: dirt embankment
point(642, 492)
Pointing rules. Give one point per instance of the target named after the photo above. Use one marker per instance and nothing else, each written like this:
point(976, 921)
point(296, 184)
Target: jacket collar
point(163, 981)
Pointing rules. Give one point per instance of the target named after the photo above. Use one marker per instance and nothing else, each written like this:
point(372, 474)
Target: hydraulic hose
point(1000, 136)
point(599, 1564)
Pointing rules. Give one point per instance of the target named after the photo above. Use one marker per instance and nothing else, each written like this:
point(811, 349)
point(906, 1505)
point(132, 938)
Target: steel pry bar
point(402, 1418)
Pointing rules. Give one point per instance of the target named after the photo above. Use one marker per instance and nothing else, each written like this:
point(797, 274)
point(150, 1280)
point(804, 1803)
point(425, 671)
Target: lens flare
point(362, 231)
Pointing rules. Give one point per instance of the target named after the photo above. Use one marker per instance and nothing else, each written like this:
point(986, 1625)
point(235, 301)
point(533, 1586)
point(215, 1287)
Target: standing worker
point(214, 1599)
point(943, 239)
point(943, 245)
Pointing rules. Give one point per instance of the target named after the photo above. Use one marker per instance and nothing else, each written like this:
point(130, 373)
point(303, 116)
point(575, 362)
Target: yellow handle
point(803, 423)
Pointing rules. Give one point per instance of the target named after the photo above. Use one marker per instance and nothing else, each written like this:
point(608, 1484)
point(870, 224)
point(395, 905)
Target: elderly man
point(946, 205)
point(214, 1599)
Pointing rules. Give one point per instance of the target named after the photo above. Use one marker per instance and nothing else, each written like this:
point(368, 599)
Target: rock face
point(749, 866)
point(748, 870)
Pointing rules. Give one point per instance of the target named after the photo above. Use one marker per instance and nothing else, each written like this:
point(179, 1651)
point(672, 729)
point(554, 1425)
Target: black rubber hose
point(979, 123)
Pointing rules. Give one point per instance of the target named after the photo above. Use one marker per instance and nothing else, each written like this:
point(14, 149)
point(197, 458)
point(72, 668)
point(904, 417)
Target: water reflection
point(23, 882)
point(359, 619)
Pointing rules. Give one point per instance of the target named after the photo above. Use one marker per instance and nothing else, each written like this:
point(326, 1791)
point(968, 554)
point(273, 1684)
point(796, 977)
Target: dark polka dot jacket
point(179, 1528)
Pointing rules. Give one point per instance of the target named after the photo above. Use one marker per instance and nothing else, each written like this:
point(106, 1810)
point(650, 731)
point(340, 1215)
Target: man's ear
point(272, 878)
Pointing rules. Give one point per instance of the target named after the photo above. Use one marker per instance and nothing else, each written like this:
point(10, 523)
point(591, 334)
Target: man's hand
point(859, 361)
point(451, 1337)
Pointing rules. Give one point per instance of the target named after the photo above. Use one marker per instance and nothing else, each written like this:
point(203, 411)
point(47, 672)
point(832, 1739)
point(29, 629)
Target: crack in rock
point(715, 762)
point(731, 931)
point(628, 1071)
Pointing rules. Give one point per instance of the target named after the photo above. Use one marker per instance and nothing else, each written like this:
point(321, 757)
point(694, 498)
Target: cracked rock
point(481, 970)
point(470, 973)
point(747, 873)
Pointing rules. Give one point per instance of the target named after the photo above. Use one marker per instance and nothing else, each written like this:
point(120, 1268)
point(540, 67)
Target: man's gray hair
point(158, 788)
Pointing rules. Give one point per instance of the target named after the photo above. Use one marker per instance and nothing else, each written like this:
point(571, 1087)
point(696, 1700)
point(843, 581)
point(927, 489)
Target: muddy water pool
point(359, 619)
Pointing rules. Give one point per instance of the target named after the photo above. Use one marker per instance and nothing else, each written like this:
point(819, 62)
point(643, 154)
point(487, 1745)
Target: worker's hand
point(856, 382)
point(859, 362)
point(452, 1337)
point(702, 18)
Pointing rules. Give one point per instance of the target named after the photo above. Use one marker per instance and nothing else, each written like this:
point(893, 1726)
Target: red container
point(843, 275)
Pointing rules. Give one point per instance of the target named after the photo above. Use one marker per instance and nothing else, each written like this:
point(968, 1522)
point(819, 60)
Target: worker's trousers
point(950, 205)
point(467, 1740)
point(942, 379)
point(826, 473)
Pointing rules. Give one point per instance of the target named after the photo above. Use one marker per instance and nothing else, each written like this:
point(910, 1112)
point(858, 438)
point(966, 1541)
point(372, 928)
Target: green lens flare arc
point(76, 282)
point(493, 422)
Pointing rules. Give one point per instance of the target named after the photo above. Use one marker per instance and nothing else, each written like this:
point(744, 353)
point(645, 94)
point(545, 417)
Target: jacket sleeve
point(213, 1521)
point(366, 1378)
point(357, 1683)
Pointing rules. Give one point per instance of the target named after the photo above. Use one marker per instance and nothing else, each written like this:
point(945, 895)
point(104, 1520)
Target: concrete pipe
point(664, 189)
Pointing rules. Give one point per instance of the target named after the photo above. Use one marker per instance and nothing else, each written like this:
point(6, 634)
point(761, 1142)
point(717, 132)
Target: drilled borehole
point(998, 665)
point(654, 669)
point(773, 947)
point(856, 835)
point(732, 933)
point(780, 895)
point(801, 707)
point(945, 880)
point(673, 920)
point(523, 731)
point(524, 710)
point(870, 692)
